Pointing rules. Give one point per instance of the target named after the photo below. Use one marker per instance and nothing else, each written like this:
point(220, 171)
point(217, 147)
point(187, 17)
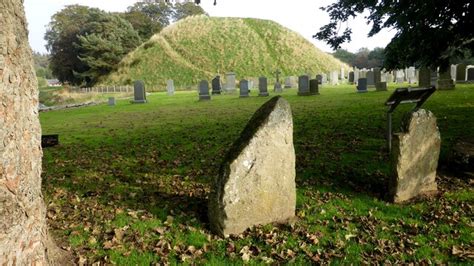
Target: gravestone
point(170, 87)
point(230, 82)
point(400, 76)
point(434, 78)
point(303, 85)
point(277, 87)
point(256, 182)
point(250, 85)
point(415, 157)
point(139, 94)
point(389, 78)
point(216, 85)
point(362, 85)
point(351, 77)
point(314, 87)
point(461, 73)
point(319, 78)
point(343, 74)
point(334, 78)
point(377, 75)
point(470, 74)
point(453, 72)
point(204, 91)
point(324, 78)
point(244, 88)
point(424, 79)
point(370, 79)
point(381, 86)
point(112, 101)
point(262, 87)
point(288, 84)
point(445, 82)
point(411, 75)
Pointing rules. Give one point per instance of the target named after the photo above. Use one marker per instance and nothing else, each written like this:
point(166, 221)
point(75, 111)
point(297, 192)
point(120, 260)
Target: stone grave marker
point(277, 87)
point(461, 73)
point(170, 87)
point(112, 101)
point(262, 87)
point(362, 85)
point(244, 88)
point(415, 157)
point(381, 86)
point(216, 85)
point(453, 72)
point(445, 82)
point(334, 78)
point(139, 93)
point(256, 182)
point(400, 76)
point(319, 78)
point(230, 82)
point(204, 91)
point(324, 79)
point(424, 79)
point(370, 78)
point(351, 77)
point(314, 87)
point(470, 74)
point(434, 78)
point(303, 85)
point(288, 84)
point(411, 75)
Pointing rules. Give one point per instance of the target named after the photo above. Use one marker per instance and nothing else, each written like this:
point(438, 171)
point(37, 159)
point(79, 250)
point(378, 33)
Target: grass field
point(129, 183)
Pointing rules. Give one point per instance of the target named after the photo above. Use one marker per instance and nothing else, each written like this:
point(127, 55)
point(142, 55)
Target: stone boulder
point(256, 183)
point(415, 157)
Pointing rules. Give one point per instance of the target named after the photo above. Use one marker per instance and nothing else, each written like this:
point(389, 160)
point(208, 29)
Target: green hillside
point(199, 47)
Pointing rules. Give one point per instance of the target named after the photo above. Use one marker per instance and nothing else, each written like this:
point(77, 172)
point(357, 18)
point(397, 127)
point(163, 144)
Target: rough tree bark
point(23, 231)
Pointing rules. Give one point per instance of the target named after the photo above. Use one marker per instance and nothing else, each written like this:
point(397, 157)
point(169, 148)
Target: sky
point(302, 16)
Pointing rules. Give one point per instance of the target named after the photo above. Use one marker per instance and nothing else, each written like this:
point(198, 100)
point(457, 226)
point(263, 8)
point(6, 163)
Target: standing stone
point(445, 82)
point(244, 88)
point(334, 78)
point(262, 87)
point(112, 101)
point(23, 231)
point(356, 75)
point(377, 75)
point(139, 94)
point(170, 87)
point(400, 76)
point(343, 74)
point(453, 72)
point(303, 85)
point(434, 78)
point(319, 78)
point(370, 79)
point(461, 73)
point(288, 83)
point(256, 182)
point(424, 79)
point(351, 77)
point(204, 91)
point(411, 75)
point(277, 87)
point(362, 85)
point(470, 74)
point(230, 82)
point(415, 157)
point(314, 87)
point(216, 85)
point(324, 78)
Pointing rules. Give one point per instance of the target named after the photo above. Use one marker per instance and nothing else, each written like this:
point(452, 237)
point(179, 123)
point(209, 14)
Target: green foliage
point(103, 43)
point(345, 56)
point(137, 178)
point(428, 32)
point(199, 47)
point(159, 12)
point(86, 42)
point(144, 26)
point(186, 9)
point(364, 58)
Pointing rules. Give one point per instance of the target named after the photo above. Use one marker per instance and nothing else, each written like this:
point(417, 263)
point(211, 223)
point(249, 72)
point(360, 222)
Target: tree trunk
point(23, 231)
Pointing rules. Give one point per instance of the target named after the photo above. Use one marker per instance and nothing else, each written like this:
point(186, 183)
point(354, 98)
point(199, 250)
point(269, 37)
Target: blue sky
point(302, 16)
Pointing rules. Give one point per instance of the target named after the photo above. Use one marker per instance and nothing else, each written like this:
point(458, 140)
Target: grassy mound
point(199, 47)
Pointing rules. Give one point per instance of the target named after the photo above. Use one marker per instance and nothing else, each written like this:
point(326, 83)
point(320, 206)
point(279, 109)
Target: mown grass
point(198, 47)
point(129, 183)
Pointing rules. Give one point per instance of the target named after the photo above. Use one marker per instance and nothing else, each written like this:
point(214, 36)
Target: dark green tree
point(186, 9)
point(345, 56)
point(159, 12)
point(142, 24)
point(376, 57)
point(428, 32)
point(102, 43)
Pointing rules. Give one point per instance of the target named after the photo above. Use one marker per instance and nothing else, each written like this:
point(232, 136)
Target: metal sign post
point(401, 96)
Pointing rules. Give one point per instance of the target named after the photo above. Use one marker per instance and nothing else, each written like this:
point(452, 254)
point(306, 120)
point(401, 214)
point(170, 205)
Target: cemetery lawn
point(128, 184)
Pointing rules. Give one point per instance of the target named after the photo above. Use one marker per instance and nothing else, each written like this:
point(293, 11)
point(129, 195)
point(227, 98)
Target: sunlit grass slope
point(199, 47)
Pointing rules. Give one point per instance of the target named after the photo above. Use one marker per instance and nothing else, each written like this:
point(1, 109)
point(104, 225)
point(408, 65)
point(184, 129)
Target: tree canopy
point(429, 32)
point(183, 10)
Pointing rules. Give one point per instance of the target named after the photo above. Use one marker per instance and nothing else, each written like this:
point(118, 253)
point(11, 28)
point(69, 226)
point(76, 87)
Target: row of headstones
point(258, 185)
point(399, 76)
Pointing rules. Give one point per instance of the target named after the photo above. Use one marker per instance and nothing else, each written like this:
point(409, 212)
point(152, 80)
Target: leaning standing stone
point(256, 183)
point(415, 155)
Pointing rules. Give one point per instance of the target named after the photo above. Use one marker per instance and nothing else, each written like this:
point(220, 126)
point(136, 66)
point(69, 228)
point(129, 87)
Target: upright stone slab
point(303, 85)
point(277, 87)
point(230, 82)
point(461, 73)
point(356, 75)
point(170, 87)
point(415, 157)
point(204, 91)
point(244, 88)
point(314, 87)
point(444, 81)
point(262, 87)
point(288, 84)
point(324, 79)
point(453, 72)
point(470, 74)
point(381, 86)
point(377, 75)
point(216, 85)
point(362, 85)
point(319, 78)
point(411, 75)
point(400, 76)
point(112, 101)
point(424, 79)
point(351, 77)
point(139, 93)
point(334, 78)
point(256, 182)
point(370, 79)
